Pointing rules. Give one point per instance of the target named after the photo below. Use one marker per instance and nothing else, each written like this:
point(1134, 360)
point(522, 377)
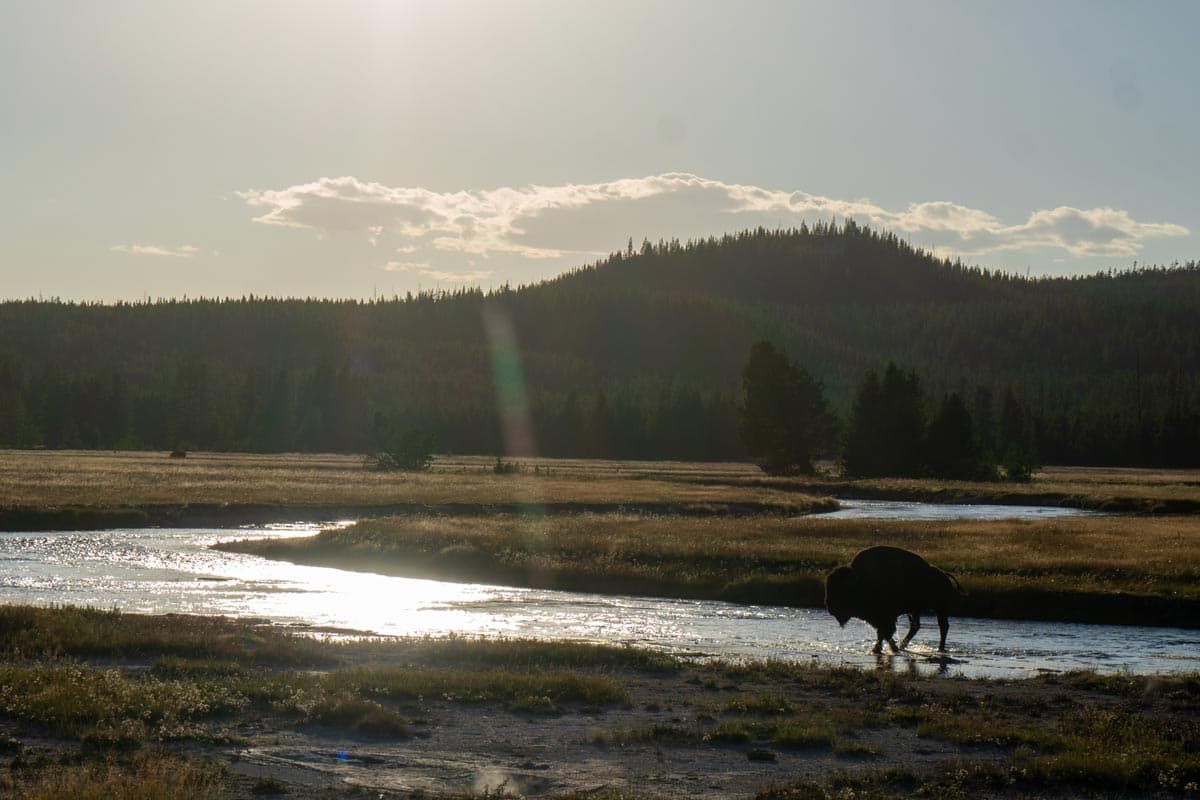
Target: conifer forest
point(640, 355)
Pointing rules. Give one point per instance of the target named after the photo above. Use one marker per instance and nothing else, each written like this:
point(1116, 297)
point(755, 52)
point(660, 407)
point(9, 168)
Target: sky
point(362, 148)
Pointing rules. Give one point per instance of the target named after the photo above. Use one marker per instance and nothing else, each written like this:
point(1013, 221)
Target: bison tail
point(957, 586)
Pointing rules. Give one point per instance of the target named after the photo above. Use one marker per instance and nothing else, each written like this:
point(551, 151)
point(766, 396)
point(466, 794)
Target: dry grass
point(48, 479)
point(1132, 554)
point(1101, 488)
point(147, 775)
point(51, 633)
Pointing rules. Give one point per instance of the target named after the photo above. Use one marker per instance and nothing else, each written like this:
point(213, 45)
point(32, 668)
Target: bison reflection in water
point(882, 583)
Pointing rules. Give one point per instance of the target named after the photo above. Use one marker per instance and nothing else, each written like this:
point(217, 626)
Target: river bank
point(209, 707)
point(1108, 570)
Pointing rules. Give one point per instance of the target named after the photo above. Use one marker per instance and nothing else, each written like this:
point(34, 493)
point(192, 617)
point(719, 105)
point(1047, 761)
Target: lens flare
point(512, 401)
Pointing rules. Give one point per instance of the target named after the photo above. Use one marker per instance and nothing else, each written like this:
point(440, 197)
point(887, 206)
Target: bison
point(882, 583)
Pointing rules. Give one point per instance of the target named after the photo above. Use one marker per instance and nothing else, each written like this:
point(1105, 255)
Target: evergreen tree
point(951, 448)
point(1018, 455)
point(904, 427)
point(784, 420)
point(860, 449)
point(886, 432)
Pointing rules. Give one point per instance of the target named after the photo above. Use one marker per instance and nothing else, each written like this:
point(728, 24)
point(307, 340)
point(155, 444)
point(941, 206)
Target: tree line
point(638, 355)
point(893, 429)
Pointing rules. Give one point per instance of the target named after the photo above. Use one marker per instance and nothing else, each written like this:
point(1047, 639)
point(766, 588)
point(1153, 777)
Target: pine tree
point(784, 420)
point(951, 447)
point(886, 432)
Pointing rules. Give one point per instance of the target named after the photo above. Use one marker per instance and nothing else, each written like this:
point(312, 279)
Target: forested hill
point(636, 356)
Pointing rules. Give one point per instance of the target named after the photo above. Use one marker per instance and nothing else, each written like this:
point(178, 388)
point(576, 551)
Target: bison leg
point(914, 625)
point(944, 627)
point(878, 648)
point(883, 636)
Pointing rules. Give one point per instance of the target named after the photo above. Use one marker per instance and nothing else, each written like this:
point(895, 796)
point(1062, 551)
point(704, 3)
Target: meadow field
point(49, 480)
point(56, 488)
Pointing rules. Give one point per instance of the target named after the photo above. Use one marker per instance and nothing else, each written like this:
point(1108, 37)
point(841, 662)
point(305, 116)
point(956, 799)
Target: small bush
point(268, 786)
point(506, 467)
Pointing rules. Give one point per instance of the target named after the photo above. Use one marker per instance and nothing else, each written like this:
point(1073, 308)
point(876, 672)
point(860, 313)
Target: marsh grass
point(1115, 732)
point(1097, 747)
point(1112, 489)
point(469, 652)
point(523, 691)
point(791, 732)
point(115, 707)
point(108, 706)
point(145, 775)
point(35, 632)
point(764, 704)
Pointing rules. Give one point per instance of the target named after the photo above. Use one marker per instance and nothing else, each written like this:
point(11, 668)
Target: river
point(160, 570)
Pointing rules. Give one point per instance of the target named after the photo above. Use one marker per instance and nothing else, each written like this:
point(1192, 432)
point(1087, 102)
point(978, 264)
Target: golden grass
point(1102, 488)
point(51, 479)
point(147, 775)
point(1137, 554)
point(47, 479)
point(51, 633)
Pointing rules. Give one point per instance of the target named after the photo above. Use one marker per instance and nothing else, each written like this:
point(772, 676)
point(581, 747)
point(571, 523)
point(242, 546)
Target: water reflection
point(158, 571)
point(934, 512)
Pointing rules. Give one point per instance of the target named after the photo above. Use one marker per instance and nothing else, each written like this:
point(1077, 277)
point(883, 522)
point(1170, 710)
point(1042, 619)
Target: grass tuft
point(145, 775)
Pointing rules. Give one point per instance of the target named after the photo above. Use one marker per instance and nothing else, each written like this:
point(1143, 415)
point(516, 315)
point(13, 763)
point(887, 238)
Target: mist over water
point(173, 570)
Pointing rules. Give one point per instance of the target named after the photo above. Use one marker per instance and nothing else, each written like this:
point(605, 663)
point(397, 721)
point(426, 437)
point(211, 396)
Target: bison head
point(841, 594)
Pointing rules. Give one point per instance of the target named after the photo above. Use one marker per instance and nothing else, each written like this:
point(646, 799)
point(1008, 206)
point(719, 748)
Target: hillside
point(635, 356)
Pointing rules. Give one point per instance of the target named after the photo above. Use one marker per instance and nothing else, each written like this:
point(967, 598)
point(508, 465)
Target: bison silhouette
point(882, 583)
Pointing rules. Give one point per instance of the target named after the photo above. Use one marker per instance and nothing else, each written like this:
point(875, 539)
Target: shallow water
point(903, 509)
point(172, 570)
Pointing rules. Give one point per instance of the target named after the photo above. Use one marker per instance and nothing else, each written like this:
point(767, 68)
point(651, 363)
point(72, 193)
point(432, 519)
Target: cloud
point(1092, 232)
point(184, 251)
point(553, 222)
point(474, 276)
point(426, 270)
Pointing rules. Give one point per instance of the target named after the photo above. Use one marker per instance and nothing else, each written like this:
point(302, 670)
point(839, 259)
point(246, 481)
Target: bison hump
point(884, 559)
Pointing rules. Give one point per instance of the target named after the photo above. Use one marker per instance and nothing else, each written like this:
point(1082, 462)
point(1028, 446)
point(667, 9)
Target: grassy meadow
point(53, 489)
point(49, 480)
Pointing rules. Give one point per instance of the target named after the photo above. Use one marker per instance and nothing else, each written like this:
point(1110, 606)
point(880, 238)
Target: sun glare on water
point(353, 601)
